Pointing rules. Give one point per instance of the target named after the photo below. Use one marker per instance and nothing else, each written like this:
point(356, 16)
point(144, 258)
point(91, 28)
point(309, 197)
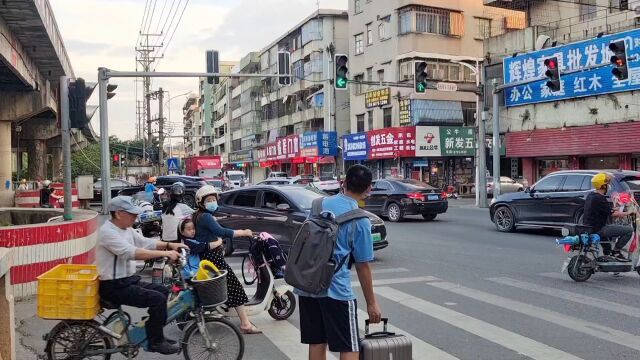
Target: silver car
point(507, 185)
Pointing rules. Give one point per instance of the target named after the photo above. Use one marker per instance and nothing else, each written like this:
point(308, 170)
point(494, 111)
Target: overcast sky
point(104, 32)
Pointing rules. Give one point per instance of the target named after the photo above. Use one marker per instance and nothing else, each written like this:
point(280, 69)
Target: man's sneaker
point(164, 348)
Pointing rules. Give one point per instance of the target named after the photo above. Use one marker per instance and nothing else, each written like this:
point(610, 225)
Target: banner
point(377, 98)
point(391, 143)
point(320, 143)
point(355, 146)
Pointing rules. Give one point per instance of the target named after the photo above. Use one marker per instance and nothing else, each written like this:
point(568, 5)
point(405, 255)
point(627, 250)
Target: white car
point(298, 180)
point(507, 185)
point(237, 178)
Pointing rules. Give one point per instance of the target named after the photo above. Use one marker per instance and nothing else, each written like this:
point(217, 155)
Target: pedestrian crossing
point(599, 336)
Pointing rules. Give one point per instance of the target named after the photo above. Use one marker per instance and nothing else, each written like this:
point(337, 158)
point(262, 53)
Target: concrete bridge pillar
point(6, 195)
point(37, 152)
point(56, 164)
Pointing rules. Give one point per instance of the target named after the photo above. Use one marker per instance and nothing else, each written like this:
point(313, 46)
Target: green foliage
point(86, 161)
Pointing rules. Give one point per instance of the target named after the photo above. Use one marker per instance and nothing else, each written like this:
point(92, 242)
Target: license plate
point(376, 237)
point(433, 197)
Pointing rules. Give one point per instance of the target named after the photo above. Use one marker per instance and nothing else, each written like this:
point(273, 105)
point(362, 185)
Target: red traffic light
point(551, 64)
point(116, 157)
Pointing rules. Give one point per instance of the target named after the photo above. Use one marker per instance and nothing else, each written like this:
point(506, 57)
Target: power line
point(160, 43)
point(577, 2)
point(174, 32)
point(161, 14)
point(144, 16)
point(152, 13)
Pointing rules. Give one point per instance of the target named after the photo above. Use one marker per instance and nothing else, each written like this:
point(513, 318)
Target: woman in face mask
point(209, 231)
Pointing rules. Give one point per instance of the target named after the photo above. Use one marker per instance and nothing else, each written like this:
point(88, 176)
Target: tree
point(86, 161)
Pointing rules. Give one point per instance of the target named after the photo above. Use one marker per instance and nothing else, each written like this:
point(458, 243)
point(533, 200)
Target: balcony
point(512, 4)
point(219, 141)
point(236, 92)
point(273, 124)
point(219, 123)
point(284, 121)
point(236, 113)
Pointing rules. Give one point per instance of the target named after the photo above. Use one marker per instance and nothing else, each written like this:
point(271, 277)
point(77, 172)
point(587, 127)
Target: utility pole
point(160, 130)
point(65, 124)
point(496, 140)
point(145, 57)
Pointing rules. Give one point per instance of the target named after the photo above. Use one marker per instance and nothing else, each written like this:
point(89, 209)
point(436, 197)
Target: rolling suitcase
point(384, 345)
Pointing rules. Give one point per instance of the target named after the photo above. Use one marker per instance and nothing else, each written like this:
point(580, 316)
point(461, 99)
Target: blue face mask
point(212, 206)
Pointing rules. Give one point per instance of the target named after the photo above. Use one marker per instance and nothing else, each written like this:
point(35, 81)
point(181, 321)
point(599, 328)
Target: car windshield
point(235, 177)
point(304, 196)
point(634, 185)
point(216, 183)
point(411, 184)
point(281, 175)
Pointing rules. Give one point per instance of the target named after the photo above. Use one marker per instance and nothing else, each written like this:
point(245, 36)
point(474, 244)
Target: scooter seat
point(108, 305)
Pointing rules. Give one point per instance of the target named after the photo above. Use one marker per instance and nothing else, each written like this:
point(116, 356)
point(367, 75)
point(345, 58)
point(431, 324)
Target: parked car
point(278, 174)
point(556, 199)
point(191, 184)
point(396, 198)
point(220, 184)
point(278, 210)
point(237, 178)
point(329, 184)
point(507, 185)
point(116, 186)
point(298, 180)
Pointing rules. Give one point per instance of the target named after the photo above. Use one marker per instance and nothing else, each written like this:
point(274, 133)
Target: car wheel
point(228, 247)
point(394, 213)
point(429, 217)
point(504, 219)
point(580, 218)
point(189, 200)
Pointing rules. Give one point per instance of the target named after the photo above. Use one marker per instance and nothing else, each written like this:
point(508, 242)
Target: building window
point(384, 29)
point(386, 117)
point(618, 5)
point(454, 72)
point(588, 10)
point(310, 31)
point(360, 123)
point(369, 35)
point(358, 84)
point(370, 74)
point(424, 19)
point(468, 75)
point(359, 45)
point(357, 6)
point(484, 28)
point(370, 119)
point(381, 75)
point(406, 70)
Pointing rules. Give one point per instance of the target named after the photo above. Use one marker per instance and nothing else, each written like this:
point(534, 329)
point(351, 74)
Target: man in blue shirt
point(150, 188)
point(330, 318)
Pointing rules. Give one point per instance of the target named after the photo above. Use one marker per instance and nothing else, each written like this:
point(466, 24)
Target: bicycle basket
point(213, 291)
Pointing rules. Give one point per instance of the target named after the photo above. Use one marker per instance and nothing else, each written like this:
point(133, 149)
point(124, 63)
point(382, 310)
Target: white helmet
point(46, 182)
point(203, 192)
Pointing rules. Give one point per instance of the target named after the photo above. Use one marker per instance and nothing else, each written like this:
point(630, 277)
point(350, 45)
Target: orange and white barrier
point(31, 198)
point(39, 247)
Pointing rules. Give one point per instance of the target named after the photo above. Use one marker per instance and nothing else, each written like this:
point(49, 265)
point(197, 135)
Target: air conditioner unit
point(438, 74)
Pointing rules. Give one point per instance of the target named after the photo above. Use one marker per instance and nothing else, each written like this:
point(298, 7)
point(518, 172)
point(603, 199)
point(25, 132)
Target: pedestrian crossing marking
point(418, 347)
point(612, 285)
point(510, 340)
point(384, 282)
point(569, 296)
point(565, 321)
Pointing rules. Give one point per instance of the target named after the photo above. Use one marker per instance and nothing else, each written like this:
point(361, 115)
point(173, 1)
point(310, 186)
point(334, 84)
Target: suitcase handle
point(384, 331)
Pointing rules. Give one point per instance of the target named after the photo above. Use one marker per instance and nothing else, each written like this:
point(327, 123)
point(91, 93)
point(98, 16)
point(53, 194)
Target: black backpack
point(311, 263)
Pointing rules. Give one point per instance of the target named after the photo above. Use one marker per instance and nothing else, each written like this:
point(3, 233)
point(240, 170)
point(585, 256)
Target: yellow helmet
point(152, 179)
point(600, 180)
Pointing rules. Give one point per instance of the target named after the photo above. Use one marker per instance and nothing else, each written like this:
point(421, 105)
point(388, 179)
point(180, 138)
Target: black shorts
point(328, 321)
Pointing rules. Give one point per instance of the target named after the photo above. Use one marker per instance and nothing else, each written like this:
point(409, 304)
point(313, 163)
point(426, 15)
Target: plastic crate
point(69, 291)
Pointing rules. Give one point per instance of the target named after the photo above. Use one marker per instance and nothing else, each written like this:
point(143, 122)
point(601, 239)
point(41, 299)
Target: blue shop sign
point(355, 146)
point(326, 143)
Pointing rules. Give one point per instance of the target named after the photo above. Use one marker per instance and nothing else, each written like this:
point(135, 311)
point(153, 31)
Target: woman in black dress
point(209, 231)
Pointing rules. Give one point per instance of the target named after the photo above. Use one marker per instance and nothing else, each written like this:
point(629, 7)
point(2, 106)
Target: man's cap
point(124, 203)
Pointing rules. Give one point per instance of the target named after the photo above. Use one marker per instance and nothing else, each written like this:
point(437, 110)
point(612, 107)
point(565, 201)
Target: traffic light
point(284, 67)
point(116, 160)
point(123, 160)
point(552, 74)
point(213, 66)
point(420, 78)
point(341, 79)
point(79, 113)
point(110, 90)
point(619, 60)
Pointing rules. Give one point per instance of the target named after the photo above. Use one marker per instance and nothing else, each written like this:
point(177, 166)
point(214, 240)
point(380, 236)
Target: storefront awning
point(582, 140)
point(434, 112)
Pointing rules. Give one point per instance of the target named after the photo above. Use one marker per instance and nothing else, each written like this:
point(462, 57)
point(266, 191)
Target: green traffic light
point(341, 83)
point(421, 87)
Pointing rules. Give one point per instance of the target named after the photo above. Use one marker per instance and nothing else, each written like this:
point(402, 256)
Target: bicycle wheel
point(226, 341)
point(71, 340)
point(249, 273)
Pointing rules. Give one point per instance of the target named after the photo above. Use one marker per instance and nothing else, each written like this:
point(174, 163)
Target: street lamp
point(168, 102)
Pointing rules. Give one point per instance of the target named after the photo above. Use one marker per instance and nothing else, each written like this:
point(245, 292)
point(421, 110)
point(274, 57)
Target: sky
point(103, 33)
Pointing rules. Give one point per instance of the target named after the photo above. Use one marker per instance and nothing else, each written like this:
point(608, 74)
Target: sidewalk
point(30, 329)
point(465, 203)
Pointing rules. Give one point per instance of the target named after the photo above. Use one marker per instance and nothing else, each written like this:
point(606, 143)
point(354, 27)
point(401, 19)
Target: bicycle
point(205, 333)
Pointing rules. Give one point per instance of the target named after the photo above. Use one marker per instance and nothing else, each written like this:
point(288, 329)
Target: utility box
point(85, 187)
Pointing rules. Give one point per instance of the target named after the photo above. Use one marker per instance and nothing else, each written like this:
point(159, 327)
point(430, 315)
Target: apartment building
point(192, 125)
point(308, 105)
point(582, 132)
point(385, 38)
point(220, 118)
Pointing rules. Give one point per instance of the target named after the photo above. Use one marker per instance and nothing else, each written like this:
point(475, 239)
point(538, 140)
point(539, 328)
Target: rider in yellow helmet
point(597, 210)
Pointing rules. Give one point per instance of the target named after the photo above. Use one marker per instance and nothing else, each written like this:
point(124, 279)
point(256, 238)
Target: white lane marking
point(611, 285)
point(384, 282)
point(510, 340)
point(569, 296)
point(420, 349)
point(565, 321)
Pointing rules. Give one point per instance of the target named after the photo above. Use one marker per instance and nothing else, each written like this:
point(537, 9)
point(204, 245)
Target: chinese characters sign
point(375, 98)
point(288, 147)
point(320, 143)
point(391, 143)
point(457, 141)
point(355, 146)
point(428, 141)
point(580, 57)
point(405, 112)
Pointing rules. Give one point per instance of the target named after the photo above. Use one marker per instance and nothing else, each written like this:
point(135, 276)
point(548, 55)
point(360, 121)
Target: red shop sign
point(271, 152)
point(288, 147)
point(391, 143)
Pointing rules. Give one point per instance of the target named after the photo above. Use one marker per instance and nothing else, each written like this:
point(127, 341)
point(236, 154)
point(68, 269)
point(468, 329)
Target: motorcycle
point(586, 257)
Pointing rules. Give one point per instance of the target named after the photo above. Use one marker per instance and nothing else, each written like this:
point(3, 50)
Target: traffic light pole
point(105, 161)
point(65, 125)
point(161, 131)
point(496, 140)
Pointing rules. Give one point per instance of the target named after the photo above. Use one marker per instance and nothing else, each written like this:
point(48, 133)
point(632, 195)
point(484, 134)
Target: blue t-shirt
point(361, 247)
point(149, 188)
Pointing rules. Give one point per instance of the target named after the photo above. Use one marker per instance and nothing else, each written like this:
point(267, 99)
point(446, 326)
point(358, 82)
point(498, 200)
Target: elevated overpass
point(32, 59)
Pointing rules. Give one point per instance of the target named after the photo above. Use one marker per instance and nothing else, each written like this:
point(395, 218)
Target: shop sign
point(376, 98)
point(268, 153)
point(428, 141)
point(405, 112)
point(457, 141)
point(320, 143)
point(288, 147)
point(355, 146)
point(240, 157)
point(503, 145)
point(391, 143)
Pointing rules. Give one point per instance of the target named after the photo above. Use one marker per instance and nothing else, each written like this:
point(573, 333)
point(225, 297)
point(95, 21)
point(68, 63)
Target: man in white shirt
point(117, 249)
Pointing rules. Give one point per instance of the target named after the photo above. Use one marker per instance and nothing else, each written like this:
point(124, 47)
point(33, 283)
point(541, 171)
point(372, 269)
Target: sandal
point(252, 330)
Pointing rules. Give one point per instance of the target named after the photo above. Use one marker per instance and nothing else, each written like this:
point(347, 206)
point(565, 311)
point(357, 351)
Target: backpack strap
point(316, 207)
point(350, 216)
point(352, 234)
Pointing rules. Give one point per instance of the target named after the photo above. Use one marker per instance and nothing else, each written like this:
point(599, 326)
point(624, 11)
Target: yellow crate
point(69, 291)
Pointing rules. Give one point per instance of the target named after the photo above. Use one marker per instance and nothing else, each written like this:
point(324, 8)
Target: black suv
point(556, 199)
point(191, 184)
